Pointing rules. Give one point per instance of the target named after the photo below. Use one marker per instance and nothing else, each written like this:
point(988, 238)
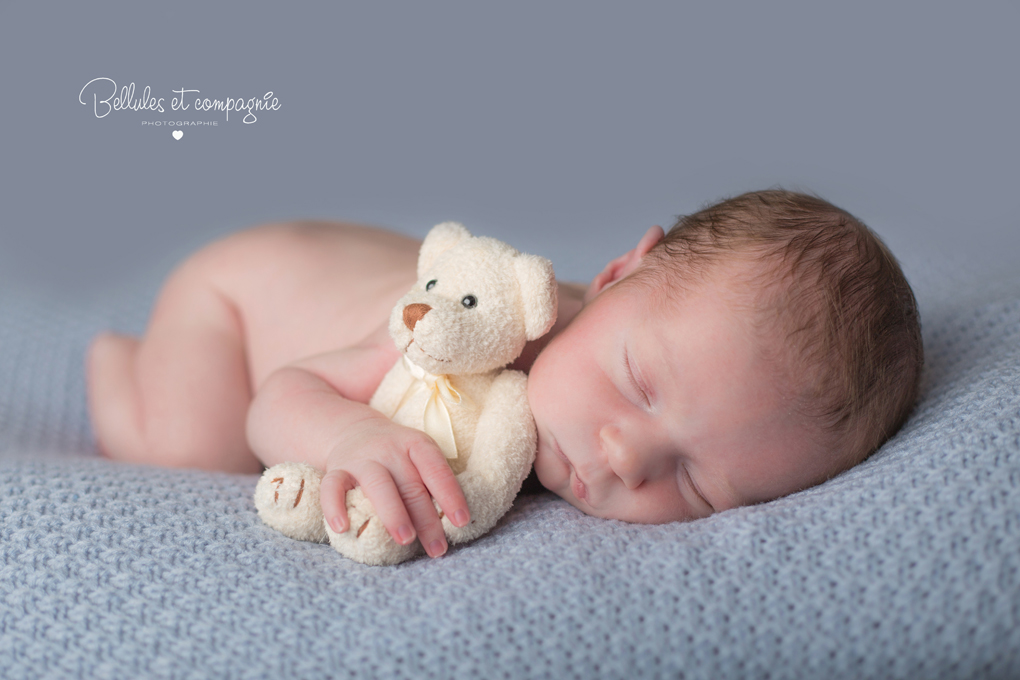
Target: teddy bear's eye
point(430, 284)
point(469, 301)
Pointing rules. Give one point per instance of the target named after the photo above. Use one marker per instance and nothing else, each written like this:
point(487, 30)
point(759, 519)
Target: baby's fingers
point(379, 487)
point(333, 499)
point(441, 482)
point(412, 503)
point(423, 513)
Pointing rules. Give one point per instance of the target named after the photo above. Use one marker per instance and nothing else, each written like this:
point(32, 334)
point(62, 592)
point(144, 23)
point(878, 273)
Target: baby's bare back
point(306, 288)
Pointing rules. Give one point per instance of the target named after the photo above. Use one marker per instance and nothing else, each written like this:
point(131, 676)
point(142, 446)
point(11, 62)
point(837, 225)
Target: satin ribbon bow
point(438, 424)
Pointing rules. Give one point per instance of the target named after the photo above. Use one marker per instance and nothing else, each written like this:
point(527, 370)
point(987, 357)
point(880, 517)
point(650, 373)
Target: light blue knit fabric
point(907, 566)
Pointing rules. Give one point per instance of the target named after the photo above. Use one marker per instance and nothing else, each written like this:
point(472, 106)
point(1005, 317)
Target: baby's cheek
point(542, 400)
point(542, 470)
point(547, 470)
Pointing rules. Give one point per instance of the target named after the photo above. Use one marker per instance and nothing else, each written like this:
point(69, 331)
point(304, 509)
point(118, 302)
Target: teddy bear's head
point(475, 305)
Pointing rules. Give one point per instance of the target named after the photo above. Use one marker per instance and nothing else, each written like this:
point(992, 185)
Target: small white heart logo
point(178, 134)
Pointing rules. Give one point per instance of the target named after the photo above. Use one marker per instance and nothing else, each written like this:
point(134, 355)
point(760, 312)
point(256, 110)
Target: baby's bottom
point(180, 395)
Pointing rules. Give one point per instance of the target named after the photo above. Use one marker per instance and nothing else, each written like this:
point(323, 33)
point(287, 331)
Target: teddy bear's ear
point(440, 238)
point(538, 293)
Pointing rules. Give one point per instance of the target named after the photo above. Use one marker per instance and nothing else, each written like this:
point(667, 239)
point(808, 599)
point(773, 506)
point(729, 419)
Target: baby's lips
point(577, 486)
point(579, 489)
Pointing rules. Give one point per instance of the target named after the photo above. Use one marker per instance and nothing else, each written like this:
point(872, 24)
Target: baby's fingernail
point(405, 535)
point(460, 518)
point(436, 548)
point(336, 525)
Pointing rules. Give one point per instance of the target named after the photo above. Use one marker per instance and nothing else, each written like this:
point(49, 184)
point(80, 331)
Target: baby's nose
point(623, 460)
point(414, 313)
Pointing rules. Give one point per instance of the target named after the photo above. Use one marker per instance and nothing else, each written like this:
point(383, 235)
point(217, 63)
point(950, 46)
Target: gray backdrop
point(564, 128)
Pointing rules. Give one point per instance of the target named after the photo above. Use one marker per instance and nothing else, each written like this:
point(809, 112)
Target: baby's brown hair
point(836, 295)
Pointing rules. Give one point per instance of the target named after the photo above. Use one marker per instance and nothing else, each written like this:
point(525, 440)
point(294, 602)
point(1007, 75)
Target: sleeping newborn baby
point(763, 345)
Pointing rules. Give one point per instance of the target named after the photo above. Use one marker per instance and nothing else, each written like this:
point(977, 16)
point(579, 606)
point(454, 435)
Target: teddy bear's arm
point(502, 455)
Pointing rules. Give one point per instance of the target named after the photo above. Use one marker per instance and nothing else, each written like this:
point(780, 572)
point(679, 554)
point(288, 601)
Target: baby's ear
point(538, 293)
point(440, 238)
point(622, 266)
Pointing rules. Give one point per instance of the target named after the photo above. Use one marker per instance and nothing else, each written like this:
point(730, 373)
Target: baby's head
point(765, 344)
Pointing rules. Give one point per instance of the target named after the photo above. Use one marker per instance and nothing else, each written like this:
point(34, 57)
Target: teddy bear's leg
point(501, 457)
point(366, 540)
point(287, 499)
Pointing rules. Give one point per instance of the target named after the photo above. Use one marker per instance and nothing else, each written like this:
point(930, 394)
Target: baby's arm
point(315, 411)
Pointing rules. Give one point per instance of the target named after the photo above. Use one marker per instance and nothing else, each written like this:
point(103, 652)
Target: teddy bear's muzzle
point(413, 314)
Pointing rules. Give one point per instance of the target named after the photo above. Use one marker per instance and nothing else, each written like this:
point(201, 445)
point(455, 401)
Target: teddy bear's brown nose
point(414, 313)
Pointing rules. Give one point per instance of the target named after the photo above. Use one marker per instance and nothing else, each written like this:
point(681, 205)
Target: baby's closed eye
point(636, 385)
point(687, 480)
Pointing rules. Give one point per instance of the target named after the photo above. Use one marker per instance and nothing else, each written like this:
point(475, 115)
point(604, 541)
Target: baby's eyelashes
point(635, 383)
point(688, 481)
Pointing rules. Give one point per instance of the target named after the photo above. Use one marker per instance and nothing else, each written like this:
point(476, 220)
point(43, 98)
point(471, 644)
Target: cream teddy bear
point(475, 305)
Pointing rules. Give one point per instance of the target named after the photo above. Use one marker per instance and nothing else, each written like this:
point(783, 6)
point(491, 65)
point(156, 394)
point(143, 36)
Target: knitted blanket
point(906, 566)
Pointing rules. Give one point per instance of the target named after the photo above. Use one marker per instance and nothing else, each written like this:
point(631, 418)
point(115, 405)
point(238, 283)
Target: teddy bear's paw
point(456, 535)
point(287, 499)
point(487, 500)
point(360, 512)
point(366, 540)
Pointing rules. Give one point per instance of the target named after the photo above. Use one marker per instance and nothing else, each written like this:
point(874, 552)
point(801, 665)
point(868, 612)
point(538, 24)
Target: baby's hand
point(399, 469)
